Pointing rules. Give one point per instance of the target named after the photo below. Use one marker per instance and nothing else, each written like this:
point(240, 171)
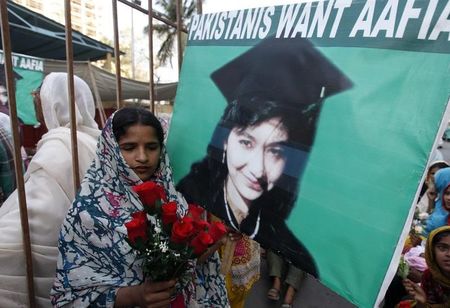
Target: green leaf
point(403, 268)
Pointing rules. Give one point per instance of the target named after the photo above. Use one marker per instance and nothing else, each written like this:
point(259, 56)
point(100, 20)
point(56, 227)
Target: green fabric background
point(31, 71)
point(25, 108)
point(370, 152)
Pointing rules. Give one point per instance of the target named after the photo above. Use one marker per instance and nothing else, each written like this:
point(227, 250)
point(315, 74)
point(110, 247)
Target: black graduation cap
point(291, 71)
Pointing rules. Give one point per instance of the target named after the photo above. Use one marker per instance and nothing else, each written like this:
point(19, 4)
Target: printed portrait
point(251, 174)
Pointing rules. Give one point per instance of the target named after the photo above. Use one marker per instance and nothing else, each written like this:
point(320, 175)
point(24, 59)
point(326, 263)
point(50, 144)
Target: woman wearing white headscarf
point(49, 191)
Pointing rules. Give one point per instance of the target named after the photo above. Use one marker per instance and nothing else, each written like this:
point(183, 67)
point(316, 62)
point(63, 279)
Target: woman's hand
point(415, 275)
point(212, 249)
point(415, 291)
point(148, 294)
point(431, 193)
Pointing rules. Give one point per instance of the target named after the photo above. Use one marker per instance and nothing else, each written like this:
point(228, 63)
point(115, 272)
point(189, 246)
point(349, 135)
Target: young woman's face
point(141, 150)
point(446, 203)
point(255, 157)
point(442, 254)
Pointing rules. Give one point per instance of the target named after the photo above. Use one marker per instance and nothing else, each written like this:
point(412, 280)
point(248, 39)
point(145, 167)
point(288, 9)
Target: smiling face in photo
point(255, 157)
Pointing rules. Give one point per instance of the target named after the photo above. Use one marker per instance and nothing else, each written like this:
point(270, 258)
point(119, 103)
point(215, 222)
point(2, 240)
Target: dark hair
point(439, 164)
point(439, 237)
point(128, 116)
point(254, 110)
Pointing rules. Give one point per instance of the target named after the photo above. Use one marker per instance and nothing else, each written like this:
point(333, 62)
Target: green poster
point(28, 75)
point(309, 126)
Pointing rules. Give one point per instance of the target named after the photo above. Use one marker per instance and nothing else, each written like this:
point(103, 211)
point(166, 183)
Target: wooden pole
point(150, 52)
point(117, 56)
point(6, 40)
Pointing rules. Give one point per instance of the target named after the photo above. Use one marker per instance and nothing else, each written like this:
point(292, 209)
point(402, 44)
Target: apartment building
point(87, 15)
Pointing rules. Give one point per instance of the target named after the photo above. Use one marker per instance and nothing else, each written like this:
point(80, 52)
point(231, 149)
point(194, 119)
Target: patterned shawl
point(94, 258)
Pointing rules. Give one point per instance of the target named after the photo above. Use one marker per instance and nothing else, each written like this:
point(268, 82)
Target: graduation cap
point(291, 71)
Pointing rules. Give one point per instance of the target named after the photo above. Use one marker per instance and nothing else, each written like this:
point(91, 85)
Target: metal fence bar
point(156, 15)
point(179, 25)
point(98, 99)
point(117, 56)
point(71, 96)
point(17, 157)
point(150, 52)
point(199, 7)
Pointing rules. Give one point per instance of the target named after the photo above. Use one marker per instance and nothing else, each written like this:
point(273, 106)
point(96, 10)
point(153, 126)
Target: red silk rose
point(217, 229)
point(201, 242)
point(137, 227)
point(195, 211)
point(149, 192)
point(182, 229)
point(169, 212)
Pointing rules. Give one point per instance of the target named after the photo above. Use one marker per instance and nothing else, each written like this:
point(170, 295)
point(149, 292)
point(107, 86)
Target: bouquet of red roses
point(167, 242)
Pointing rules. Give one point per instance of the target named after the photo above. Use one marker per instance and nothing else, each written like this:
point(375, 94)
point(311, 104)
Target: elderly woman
point(49, 190)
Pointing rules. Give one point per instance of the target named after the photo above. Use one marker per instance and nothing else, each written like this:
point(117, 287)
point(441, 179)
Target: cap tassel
point(322, 92)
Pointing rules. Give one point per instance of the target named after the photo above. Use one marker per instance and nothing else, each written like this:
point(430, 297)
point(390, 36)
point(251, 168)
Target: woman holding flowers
point(97, 265)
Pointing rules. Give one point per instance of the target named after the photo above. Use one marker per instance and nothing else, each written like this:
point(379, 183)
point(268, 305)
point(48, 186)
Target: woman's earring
point(224, 155)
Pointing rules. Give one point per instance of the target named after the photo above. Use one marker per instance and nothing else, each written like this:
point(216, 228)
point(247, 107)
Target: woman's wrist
point(210, 251)
point(127, 297)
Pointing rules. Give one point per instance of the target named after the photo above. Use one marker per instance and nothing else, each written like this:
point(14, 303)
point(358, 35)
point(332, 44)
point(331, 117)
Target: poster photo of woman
point(251, 174)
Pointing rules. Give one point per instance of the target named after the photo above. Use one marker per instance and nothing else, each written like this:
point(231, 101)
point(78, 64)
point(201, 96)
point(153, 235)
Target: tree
point(166, 33)
point(125, 57)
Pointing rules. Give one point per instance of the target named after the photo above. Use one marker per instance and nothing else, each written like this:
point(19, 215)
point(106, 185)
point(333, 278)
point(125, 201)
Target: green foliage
point(403, 268)
point(168, 33)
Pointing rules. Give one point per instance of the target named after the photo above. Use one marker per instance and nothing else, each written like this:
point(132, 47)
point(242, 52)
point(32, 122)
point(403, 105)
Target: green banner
point(28, 75)
point(366, 85)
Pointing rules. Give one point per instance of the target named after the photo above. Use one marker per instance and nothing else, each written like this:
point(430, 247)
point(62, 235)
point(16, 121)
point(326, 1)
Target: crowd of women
point(423, 278)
